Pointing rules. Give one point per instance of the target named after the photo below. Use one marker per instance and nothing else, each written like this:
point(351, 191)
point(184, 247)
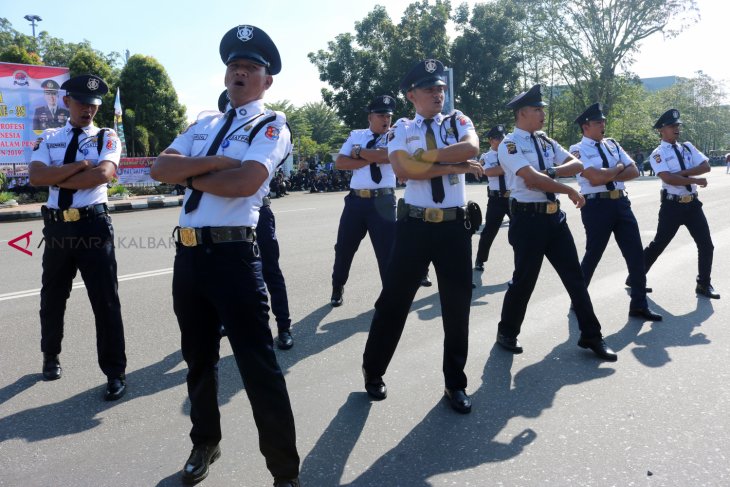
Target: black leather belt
point(51, 215)
point(546, 207)
point(191, 237)
point(498, 194)
point(266, 201)
point(611, 195)
point(371, 193)
point(685, 198)
point(437, 215)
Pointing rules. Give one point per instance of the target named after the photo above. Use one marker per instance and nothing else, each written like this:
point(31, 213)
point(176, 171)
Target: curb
point(127, 206)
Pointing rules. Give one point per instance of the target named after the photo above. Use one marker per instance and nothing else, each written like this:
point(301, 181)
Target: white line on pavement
point(128, 277)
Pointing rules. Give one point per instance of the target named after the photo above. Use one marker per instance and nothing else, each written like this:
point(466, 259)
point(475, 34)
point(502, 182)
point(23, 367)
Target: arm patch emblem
point(511, 147)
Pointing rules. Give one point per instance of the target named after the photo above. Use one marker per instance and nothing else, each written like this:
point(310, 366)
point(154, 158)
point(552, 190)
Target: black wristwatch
point(356, 149)
point(551, 172)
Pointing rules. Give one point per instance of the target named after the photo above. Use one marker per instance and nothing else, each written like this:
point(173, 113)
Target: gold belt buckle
point(506, 194)
point(71, 215)
point(551, 208)
point(614, 194)
point(433, 215)
point(187, 237)
point(685, 198)
point(365, 193)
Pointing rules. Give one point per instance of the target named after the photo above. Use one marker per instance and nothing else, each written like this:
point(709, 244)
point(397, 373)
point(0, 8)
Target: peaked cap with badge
point(496, 132)
point(381, 104)
point(529, 98)
point(50, 85)
point(670, 117)
point(593, 112)
point(426, 73)
point(251, 43)
point(86, 88)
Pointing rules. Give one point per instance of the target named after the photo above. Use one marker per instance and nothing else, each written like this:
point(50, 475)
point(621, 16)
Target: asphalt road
point(554, 415)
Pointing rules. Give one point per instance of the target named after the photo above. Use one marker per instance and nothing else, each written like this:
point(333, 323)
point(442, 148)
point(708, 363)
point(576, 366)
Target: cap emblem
point(386, 100)
point(245, 33)
point(92, 84)
point(675, 114)
point(430, 65)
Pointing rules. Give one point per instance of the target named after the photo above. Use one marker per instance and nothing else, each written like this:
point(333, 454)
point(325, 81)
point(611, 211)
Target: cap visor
point(87, 99)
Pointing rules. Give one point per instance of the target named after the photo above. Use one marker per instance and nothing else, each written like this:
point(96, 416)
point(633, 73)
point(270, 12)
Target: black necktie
point(65, 195)
point(609, 185)
point(681, 164)
point(375, 172)
point(541, 161)
point(502, 184)
point(437, 184)
point(194, 200)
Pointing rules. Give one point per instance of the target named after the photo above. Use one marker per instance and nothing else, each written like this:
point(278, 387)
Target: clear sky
point(184, 36)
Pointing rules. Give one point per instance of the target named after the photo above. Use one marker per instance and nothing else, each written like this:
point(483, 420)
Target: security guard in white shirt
point(498, 196)
point(608, 210)
point(370, 204)
point(217, 274)
point(538, 228)
point(76, 162)
point(678, 165)
point(433, 152)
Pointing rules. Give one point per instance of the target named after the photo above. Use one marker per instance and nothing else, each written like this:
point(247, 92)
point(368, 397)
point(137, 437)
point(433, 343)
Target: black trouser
point(375, 216)
point(603, 217)
point(417, 244)
point(672, 215)
point(497, 208)
point(222, 283)
point(86, 245)
point(534, 236)
point(274, 279)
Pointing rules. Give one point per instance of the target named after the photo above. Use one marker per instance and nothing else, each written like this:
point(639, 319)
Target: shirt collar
point(438, 118)
point(68, 127)
point(250, 109)
point(589, 141)
point(521, 133)
point(664, 143)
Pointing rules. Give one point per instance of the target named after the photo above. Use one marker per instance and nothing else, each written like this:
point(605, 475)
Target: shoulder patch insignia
point(658, 158)
point(575, 154)
point(511, 147)
point(272, 133)
point(391, 135)
point(462, 121)
point(37, 143)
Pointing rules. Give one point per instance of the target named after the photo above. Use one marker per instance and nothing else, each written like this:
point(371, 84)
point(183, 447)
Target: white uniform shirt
point(361, 178)
point(587, 151)
point(50, 149)
point(269, 147)
point(517, 150)
point(489, 160)
point(410, 135)
point(664, 159)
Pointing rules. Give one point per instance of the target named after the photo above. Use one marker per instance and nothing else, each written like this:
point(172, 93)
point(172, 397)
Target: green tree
point(147, 90)
point(487, 61)
point(590, 39)
point(298, 123)
point(16, 54)
point(325, 123)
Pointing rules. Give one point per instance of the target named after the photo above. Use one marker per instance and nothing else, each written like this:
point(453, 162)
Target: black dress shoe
point(459, 401)
point(479, 266)
point(509, 343)
point(115, 388)
point(196, 468)
point(646, 289)
point(707, 291)
point(599, 347)
point(336, 299)
point(645, 313)
point(287, 483)
point(51, 367)
point(375, 386)
point(426, 281)
point(284, 341)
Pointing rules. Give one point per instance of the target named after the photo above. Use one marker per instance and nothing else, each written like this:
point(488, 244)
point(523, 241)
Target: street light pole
point(32, 19)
